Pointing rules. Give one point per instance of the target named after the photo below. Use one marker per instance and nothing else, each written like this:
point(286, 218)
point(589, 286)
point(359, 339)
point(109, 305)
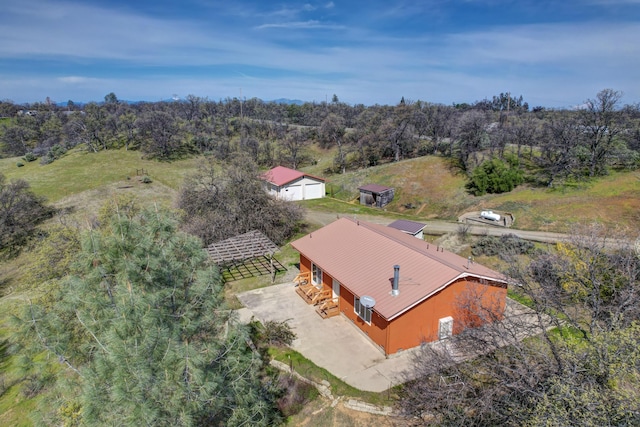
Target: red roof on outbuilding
point(281, 175)
point(361, 256)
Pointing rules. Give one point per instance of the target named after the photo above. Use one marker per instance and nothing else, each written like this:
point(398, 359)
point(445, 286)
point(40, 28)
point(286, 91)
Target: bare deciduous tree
point(223, 202)
point(570, 358)
point(20, 212)
point(332, 132)
point(600, 128)
point(293, 145)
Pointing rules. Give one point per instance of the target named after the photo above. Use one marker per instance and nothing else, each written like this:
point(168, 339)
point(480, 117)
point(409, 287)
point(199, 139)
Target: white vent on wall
point(445, 327)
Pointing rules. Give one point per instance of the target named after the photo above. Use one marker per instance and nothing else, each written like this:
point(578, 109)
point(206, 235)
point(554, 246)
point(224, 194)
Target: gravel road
point(444, 227)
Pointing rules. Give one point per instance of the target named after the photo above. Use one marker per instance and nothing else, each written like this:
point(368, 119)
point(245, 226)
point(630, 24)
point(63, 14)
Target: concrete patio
point(338, 346)
point(334, 344)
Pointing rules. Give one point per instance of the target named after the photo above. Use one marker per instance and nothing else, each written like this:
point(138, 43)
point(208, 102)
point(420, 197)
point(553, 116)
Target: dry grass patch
point(613, 200)
point(79, 171)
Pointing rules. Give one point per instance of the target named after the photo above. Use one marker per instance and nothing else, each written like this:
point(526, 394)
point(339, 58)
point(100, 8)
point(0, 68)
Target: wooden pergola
point(246, 255)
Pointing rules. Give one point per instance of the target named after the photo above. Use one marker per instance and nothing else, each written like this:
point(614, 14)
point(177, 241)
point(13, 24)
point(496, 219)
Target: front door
point(316, 275)
point(336, 288)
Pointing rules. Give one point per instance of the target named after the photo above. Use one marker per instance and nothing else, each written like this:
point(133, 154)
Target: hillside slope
point(427, 188)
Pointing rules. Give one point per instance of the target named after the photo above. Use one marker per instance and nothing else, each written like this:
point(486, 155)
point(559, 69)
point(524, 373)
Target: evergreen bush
point(495, 176)
point(30, 157)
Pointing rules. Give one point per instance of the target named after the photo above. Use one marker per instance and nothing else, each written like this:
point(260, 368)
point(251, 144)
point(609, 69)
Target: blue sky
point(553, 53)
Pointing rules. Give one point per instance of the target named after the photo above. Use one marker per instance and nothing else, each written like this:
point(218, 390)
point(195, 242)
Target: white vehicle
point(490, 215)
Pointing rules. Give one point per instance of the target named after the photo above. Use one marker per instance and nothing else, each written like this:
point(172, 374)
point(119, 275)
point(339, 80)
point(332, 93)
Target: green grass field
point(79, 171)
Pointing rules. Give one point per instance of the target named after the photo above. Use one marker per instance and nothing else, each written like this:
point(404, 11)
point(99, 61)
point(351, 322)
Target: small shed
point(416, 229)
point(375, 195)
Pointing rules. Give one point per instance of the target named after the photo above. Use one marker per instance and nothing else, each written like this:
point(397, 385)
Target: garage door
point(313, 191)
point(293, 192)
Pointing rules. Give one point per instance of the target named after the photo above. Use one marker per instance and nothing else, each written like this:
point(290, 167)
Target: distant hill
point(124, 101)
point(81, 104)
point(288, 101)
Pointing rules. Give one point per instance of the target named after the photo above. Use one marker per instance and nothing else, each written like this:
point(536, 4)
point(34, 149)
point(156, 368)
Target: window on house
point(445, 327)
point(363, 312)
point(316, 274)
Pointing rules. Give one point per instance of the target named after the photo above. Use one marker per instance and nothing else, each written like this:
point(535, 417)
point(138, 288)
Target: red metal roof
point(361, 257)
point(281, 175)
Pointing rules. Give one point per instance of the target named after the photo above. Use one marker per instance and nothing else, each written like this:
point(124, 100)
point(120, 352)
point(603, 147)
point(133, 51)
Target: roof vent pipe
point(396, 280)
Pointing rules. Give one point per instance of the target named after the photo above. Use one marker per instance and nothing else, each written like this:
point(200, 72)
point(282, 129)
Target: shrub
point(507, 244)
point(279, 333)
point(19, 164)
point(30, 157)
point(55, 152)
point(273, 333)
point(495, 176)
point(146, 180)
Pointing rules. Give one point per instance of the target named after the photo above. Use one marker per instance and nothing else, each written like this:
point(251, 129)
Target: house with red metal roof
point(290, 184)
point(398, 290)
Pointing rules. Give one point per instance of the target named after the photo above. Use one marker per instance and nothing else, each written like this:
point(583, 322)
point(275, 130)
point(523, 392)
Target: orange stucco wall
point(470, 303)
point(376, 331)
point(305, 264)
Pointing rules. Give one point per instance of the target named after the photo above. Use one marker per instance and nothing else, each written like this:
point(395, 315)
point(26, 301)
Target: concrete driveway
point(338, 346)
point(334, 344)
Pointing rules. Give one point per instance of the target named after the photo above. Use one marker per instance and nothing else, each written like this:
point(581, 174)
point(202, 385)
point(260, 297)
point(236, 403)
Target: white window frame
point(445, 328)
point(316, 274)
point(363, 312)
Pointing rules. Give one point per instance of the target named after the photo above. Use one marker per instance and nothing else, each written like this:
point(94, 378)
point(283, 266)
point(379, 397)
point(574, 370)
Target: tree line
point(545, 146)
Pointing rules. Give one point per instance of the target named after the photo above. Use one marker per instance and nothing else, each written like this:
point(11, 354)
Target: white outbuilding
point(290, 184)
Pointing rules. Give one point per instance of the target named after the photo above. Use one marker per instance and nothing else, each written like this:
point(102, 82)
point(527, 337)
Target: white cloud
point(550, 44)
point(74, 80)
point(311, 24)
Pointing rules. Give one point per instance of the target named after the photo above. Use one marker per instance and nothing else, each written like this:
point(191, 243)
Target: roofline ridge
point(423, 252)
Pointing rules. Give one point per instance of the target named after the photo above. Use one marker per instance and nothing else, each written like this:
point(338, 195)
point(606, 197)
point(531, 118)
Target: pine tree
point(143, 325)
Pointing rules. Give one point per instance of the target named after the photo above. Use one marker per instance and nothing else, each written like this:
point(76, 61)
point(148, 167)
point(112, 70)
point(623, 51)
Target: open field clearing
point(80, 171)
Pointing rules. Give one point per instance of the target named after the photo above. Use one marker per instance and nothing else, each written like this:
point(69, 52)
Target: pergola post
point(273, 273)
